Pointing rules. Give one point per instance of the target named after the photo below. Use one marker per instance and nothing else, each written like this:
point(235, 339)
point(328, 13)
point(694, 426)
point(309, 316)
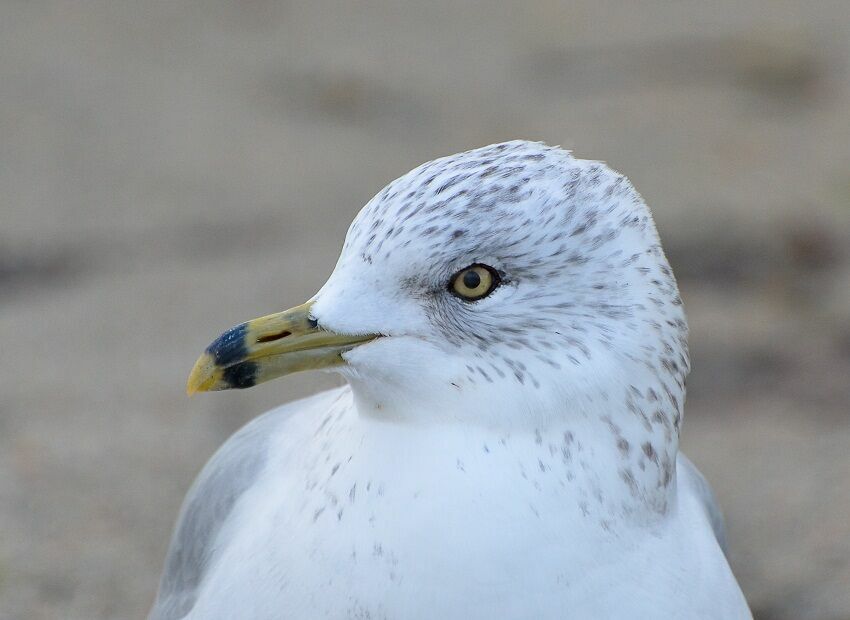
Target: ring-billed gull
point(506, 445)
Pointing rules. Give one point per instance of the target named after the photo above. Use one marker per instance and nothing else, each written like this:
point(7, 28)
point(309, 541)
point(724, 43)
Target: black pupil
point(471, 279)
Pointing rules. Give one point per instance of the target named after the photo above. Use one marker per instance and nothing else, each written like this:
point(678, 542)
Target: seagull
point(506, 445)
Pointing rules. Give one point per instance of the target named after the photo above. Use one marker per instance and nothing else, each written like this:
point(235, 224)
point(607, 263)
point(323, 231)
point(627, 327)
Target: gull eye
point(474, 282)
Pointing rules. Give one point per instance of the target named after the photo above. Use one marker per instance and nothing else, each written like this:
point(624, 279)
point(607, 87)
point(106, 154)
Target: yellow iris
point(474, 282)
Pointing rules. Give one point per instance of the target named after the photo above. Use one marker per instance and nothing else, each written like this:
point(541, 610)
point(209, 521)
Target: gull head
point(508, 285)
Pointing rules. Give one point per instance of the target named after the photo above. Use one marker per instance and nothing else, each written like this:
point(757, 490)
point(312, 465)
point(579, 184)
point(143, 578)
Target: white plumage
point(510, 457)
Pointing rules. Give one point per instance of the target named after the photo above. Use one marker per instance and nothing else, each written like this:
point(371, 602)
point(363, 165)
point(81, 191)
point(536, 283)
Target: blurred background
point(168, 169)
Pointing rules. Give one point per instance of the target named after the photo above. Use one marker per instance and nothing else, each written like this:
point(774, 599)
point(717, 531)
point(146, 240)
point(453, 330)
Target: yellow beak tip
point(204, 376)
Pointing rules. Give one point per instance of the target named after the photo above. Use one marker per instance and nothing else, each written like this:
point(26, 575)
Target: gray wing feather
point(709, 502)
point(208, 504)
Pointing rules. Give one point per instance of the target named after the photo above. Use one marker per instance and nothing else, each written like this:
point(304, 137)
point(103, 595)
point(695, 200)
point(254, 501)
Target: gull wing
point(206, 508)
point(208, 505)
point(699, 485)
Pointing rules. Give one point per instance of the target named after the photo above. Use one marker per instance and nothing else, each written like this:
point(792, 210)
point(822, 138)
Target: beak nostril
point(273, 337)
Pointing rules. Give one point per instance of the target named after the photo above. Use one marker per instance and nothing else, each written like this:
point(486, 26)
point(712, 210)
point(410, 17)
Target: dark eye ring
point(474, 282)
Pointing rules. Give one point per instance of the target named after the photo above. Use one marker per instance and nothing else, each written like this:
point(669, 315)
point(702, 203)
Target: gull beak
point(267, 348)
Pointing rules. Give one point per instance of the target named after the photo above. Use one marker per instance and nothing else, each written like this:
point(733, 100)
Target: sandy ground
point(169, 169)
